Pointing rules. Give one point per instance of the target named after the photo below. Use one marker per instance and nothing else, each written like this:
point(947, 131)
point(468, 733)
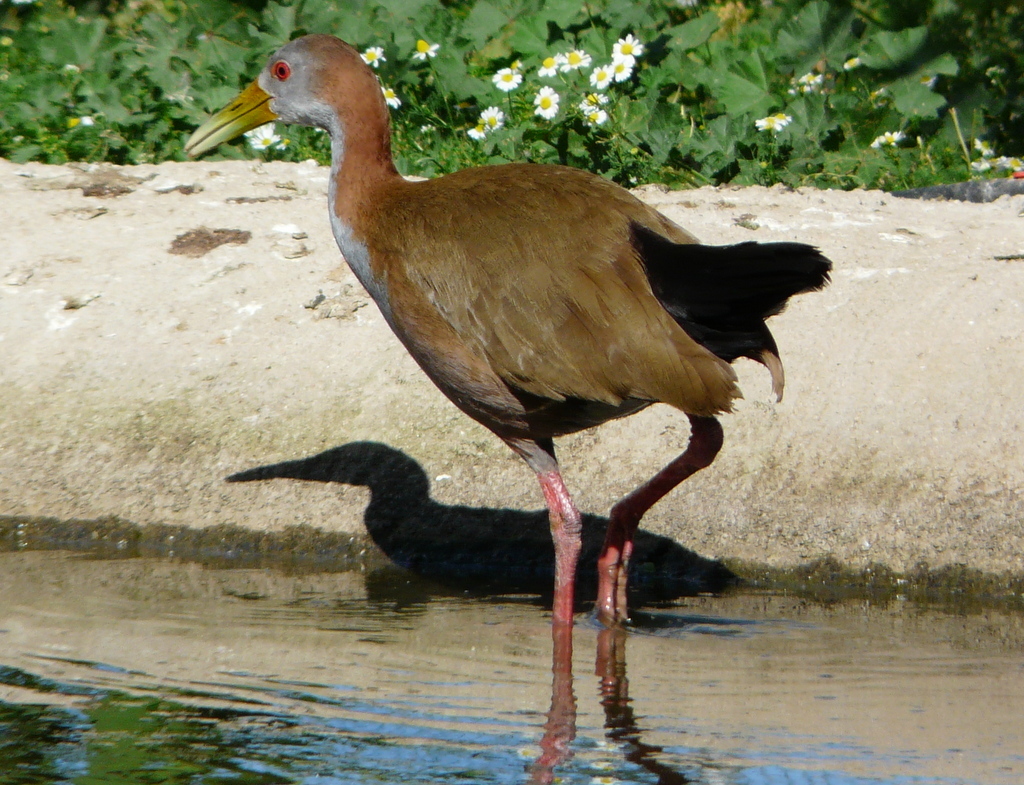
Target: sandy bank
point(136, 374)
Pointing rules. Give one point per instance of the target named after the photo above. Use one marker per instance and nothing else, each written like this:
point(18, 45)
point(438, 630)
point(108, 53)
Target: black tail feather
point(722, 295)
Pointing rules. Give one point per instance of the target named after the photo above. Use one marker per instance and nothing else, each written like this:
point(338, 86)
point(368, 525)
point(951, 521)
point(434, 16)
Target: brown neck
point(361, 156)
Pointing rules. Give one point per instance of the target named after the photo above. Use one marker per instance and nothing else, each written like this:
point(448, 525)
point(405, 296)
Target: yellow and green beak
point(250, 109)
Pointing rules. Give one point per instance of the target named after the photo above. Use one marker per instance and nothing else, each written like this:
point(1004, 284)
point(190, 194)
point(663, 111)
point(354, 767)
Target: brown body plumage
point(540, 299)
point(540, 316)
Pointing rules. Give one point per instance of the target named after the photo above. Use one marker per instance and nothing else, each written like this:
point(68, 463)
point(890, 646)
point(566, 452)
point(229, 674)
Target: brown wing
point(535, 271)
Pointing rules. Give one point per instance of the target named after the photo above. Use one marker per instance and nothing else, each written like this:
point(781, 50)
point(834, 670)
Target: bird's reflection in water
point(620, 721)
point(560, 729)
point(508, 550)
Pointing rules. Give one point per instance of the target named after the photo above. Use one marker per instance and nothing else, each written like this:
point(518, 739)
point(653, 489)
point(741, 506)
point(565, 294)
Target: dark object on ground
point(978, 191)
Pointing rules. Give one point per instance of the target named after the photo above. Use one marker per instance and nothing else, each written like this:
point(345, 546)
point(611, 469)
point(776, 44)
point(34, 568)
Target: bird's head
point(316, 80)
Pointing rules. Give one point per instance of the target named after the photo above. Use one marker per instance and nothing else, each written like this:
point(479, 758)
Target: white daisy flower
point(853, 62)
point(478, 133)
point(425, 50)
point(264, 137)
point(374, 56)
point(889, 139)
point(627, 47)
point(546, 102)
point(549, 66)
point(74, 122)
point(72, 68)
point(929, 81)
point(622, 68)
point(984, 148)
point(773, 122)
point(593, 101)
point(808, 83)
point(575, 59)
point(981, 166)
point(594, 117)
point(492, 118)
point(507, 80)
point(602, 76)
point(1007, 163)
point(390, 97)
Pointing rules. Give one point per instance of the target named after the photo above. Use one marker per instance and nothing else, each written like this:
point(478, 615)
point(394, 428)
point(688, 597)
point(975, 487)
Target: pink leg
point(565, 520)
point(566, 528)
point(705, 442)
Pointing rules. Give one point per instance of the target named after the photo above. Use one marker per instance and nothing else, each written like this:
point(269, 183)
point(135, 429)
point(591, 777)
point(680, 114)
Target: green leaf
point(279, 22)
point(944, 64)
point(743, 87)
point(403, 10)
point(912, 97)
point(751, 172)
point(576, 144)
point(811, 119)
point(361, 29)
point(692, 34)
point(24, 154)
point(715, 145)
point(888, 50)
point(530, 35)
point(562, 12)
point(461, 85)
point(663, 131)
point(631, 116)
point(598, 43)
point(818, 32)
point(484, 22)
point(628, 16)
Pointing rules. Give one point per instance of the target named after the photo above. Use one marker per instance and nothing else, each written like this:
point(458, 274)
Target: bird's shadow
point(498, 551)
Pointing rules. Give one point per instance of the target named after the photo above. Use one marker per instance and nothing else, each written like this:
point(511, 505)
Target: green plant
point(860, 92)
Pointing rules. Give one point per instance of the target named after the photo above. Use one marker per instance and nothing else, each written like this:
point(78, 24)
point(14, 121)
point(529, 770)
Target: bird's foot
point(612, 610)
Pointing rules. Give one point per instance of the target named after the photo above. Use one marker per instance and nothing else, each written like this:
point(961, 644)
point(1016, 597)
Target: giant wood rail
point(541, 300)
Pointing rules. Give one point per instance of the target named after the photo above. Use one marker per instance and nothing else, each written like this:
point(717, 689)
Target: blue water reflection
point(123, 689)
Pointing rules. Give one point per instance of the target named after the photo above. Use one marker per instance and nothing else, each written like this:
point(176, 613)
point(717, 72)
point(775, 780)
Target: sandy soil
point(139, 368)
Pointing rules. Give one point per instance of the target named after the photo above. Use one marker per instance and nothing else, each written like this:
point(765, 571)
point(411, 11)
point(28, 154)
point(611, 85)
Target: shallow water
point(155, 671)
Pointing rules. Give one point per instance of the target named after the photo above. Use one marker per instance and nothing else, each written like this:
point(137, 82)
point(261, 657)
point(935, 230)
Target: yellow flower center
point(549, 62)
point(422, 46)
point(574, 58)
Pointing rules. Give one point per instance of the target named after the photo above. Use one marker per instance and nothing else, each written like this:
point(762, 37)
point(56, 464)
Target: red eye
point(281, 70)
